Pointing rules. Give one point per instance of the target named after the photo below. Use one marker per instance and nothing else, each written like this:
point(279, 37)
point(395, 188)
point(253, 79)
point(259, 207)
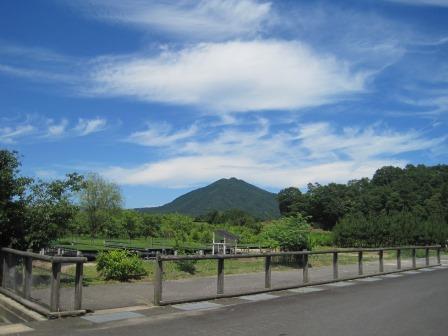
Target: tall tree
point(50, 210)
point(290, 201)
point(32, 214)
point(12, 198)
point(99, 199)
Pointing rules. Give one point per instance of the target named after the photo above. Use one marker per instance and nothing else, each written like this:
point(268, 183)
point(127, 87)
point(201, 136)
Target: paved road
point(137, 293)
point(408, 305)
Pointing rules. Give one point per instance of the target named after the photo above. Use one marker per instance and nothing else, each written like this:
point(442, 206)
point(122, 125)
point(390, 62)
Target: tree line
point(397, 206)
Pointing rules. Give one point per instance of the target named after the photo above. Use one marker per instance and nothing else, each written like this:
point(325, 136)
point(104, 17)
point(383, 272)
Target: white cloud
point(39, 128)
point(204, 19)
point(9, 135)
point(232, 76)
point(88, 126)
point(57, 129)
point(158, 135)
point(301, 154)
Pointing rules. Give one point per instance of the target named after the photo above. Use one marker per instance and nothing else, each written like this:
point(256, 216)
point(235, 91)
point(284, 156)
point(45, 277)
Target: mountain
point(222, 195)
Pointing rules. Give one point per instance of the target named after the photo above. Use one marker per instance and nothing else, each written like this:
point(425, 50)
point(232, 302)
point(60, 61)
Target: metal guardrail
point(158, 280)
point(10, 264)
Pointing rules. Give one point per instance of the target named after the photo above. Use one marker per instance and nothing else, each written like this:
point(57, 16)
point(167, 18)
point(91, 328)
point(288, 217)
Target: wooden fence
point(10, 267)
point(220, 293)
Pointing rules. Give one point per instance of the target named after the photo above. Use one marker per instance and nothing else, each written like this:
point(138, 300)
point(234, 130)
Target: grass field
point(100, 244)
point(233, 266)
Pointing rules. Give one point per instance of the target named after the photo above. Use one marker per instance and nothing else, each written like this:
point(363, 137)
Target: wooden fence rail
point(9, 270)
point(220, 292)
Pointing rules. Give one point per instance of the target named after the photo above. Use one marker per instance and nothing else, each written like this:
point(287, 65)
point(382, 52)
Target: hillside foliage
point(223, 195)
point(397, 206)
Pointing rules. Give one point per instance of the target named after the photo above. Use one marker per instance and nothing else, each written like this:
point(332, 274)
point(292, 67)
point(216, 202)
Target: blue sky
point(162, 97)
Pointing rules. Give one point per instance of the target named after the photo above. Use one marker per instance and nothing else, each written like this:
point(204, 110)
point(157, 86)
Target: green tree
point(288, 233)
point(131, 223)
point(291, 201)
point(50, 210)
point(150, 226)
point(32, 214)
point(12, 199)
point(177, 227)
point(100, 200)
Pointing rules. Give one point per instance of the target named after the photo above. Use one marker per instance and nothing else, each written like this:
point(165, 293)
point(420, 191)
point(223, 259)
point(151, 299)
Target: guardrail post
point(414, 258)
point(27, 276)
point(438, 256)
point(55, 286)
point(427, 256)
point(381, 260)
point(267, 272)
point(335, 265)
point(5, 273)
point(220, 282)
point(158, 280)
point(399, 259)
point(1, 266)
point(305, 268)
point(360, 266)
point(78, 285)
point(12, 274)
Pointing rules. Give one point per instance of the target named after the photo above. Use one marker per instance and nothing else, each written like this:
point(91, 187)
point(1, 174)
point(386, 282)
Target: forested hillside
point(395, 206)
point(222, 195)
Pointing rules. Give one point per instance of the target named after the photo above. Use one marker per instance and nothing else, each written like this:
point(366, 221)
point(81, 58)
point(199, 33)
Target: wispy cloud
point(89, 126)
point(192, 19)
point(57, 129)
point(233, 76)
point(10, 135)
point(157, 135)
point(295, 156)
point(41, 128)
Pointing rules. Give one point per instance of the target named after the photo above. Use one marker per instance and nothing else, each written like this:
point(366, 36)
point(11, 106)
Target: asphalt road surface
point(408, 305)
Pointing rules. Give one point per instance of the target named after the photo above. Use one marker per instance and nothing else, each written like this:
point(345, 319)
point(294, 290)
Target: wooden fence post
point(78, 285)
point(414, 258)
point(12, 274)
point(335, 265)
point(267, 272)
point(381, 260)
point(158, 280)
point(427, 256)
point(27, 276)
point(5, 270)
point(399, 259)
point(220, 280)
point(305, 268)
point(360, 266)
point(55, 286)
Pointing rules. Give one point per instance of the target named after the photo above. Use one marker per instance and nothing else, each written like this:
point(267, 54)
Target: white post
point(213, 247)
point(224, 245)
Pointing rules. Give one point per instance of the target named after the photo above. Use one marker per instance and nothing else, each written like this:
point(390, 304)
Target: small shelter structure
point(224, 241)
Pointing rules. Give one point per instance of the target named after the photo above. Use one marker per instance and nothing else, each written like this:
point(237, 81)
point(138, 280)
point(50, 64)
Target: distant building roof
point(221, 234)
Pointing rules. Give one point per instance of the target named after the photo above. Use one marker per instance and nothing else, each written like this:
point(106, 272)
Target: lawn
point(235, 266)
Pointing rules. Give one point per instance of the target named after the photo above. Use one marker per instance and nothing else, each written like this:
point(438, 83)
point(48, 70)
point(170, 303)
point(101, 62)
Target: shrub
point(120, 265)
point(288, 234)
point(321, 238)
point(188, 266)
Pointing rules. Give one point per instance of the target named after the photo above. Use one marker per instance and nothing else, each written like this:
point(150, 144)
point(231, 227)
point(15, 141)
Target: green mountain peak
point(221, 195)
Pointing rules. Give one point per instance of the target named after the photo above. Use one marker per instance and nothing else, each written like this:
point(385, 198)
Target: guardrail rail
point(220, 293)
point(15, 262)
